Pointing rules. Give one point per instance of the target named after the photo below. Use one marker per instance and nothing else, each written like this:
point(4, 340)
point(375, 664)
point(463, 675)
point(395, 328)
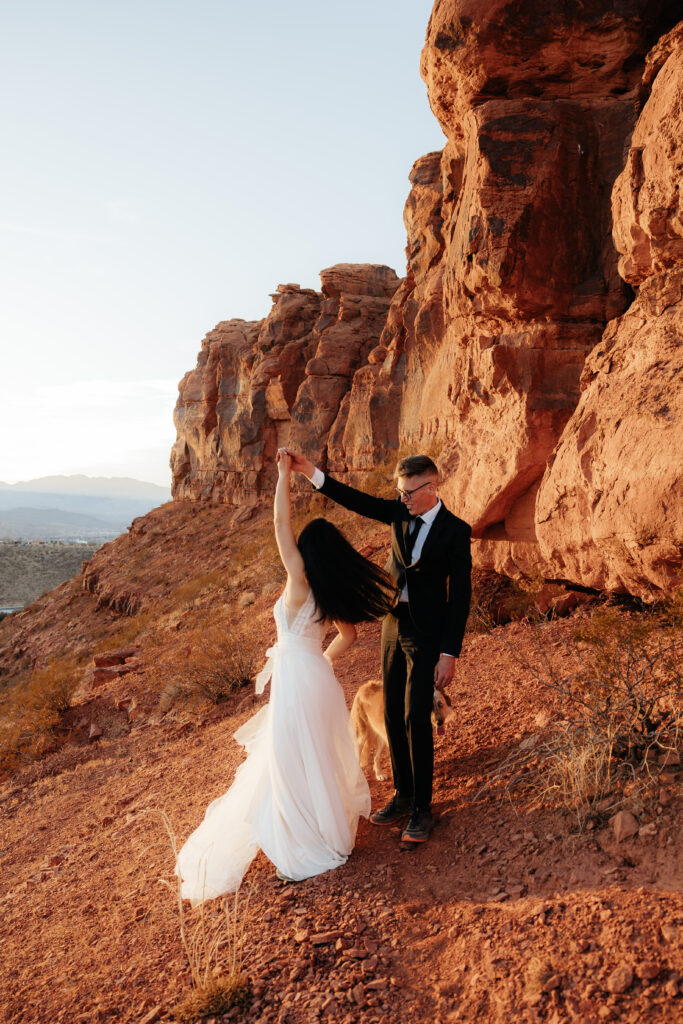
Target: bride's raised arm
point(297, 584)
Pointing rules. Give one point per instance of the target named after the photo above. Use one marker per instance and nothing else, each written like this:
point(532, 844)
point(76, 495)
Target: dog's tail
point(358, 717)
point(359, 721)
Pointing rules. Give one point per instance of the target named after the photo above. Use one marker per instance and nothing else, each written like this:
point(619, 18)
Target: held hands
point(284, 462)
point(299, 463)
point(444, 671)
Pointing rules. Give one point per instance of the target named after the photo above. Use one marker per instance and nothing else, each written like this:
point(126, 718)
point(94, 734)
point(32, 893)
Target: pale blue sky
point(165, 165)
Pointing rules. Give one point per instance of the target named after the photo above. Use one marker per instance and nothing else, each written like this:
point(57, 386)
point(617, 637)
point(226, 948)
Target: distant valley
point(75, 508)
point(49, 526)
point(29, 569)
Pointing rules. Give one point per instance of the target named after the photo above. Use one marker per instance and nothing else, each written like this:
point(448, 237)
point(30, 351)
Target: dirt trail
point(507, 913)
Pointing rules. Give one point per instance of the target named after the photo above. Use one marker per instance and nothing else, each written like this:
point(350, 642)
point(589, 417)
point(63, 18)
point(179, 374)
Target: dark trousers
point(408, 661)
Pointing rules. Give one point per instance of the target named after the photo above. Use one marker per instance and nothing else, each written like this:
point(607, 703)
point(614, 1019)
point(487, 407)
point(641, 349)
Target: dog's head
point(441, 709)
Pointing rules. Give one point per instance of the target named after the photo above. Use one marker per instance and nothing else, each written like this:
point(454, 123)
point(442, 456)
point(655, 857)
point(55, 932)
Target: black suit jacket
point(439, 584)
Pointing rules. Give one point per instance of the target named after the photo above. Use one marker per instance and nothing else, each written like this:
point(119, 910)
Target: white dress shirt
point(424, 525)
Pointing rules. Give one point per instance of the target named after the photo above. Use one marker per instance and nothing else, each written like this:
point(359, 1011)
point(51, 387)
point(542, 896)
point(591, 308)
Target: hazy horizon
point(166, 167)
point(85, 476)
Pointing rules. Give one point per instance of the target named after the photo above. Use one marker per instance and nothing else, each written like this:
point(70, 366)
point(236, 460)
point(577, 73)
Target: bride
point(300, 792)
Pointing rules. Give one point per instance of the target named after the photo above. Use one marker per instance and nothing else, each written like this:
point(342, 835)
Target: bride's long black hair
point(346, 586)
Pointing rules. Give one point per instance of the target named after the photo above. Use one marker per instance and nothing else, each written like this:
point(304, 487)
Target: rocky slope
point(518, 259)
point(509, 912)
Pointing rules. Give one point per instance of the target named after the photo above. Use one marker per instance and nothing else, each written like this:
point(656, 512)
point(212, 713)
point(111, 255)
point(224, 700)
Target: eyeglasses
point(407, 494)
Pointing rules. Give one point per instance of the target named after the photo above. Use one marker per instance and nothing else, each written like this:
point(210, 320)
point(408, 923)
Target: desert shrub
point(25, 737)
point(217, 661)
point(260, 548)
point(498, 599)
point(30, 712)
point(187, 594)
point(380, 479)
point(621, 694)
point(669, 609)
point(480, 618)
point(53, 686)
point(212, 937)
point(132, 627)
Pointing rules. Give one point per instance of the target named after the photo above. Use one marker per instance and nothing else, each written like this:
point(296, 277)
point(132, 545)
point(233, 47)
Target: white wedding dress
point(301, 790)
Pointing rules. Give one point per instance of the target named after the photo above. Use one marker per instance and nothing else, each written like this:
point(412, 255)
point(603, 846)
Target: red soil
point(506, 913)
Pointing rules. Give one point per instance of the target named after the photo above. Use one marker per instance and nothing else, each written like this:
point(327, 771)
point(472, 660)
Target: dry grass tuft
point(219, 996)
point(30, 712)
point(133, 627)
point(213, 943)
point(218, 661)
point(260, 548)
point(536, 975)
point(380, 479)
point(206, 585)
point(620, 687)
point(497, 599)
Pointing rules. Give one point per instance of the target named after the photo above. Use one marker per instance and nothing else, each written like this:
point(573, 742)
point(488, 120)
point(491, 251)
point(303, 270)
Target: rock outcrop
point(280, 380)
point(231, 408)
point(479, 355)
point(388, 390)
point(610, 510)
point(512, 273)
point(353, 314)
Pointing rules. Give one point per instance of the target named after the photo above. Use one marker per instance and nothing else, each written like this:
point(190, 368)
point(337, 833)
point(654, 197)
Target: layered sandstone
point(610, 510)
point(477, 355)
point(367, 430)
point(280, 380)
point(537, 107)
point(512, 272)
point(353, 314)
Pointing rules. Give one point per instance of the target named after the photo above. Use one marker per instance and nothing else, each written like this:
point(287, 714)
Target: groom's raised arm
point(385, 510)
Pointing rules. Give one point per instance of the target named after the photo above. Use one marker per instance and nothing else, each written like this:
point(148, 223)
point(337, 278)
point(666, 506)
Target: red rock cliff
point(512, 272)
point(610, 509)
point(279, 380)
point(512, 276)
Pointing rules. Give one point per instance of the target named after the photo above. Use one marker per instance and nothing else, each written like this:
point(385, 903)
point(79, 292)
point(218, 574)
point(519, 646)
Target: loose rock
point(624, 825)
point(620, 979)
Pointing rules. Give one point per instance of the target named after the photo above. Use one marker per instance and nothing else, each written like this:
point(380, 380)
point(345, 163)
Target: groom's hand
point(300, 464)
point(444, 671)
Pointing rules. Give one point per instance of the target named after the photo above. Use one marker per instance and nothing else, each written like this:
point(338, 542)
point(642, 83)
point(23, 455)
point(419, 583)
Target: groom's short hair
point(416, 465)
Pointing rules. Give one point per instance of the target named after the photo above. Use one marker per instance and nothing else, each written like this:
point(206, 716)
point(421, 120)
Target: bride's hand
point(284, 461)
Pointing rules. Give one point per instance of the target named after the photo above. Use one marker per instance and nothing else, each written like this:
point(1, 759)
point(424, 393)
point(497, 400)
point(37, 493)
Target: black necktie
point(413, 530)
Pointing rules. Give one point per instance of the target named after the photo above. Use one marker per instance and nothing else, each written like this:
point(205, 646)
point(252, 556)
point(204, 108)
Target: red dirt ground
point(507, 913)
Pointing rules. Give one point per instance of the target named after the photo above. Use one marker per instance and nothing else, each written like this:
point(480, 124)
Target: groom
point(431, 564)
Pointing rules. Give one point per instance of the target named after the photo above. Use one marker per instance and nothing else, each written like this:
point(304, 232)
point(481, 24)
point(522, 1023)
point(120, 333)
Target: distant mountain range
point(75, 507)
